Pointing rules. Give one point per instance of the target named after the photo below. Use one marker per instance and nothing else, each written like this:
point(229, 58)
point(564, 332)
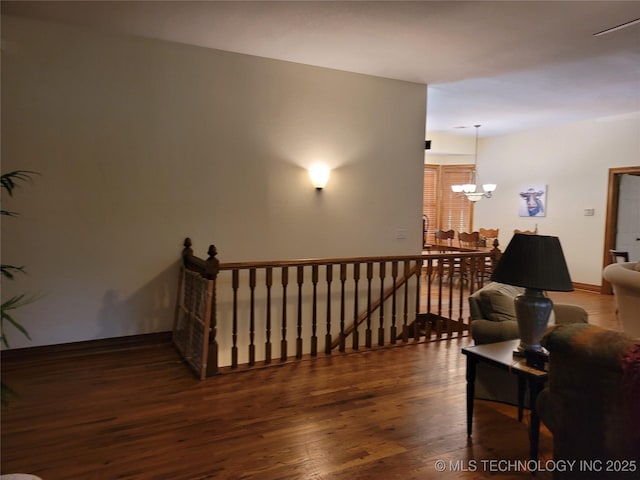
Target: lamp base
point(536, 360)
point(532, 311)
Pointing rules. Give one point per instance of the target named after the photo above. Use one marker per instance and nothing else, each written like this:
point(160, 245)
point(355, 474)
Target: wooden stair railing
point(225, 312)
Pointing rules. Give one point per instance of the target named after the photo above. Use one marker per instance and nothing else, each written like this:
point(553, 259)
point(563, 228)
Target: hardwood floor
point(138, 413)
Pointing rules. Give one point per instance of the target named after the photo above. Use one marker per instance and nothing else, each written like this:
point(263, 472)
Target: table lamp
point(535, 262)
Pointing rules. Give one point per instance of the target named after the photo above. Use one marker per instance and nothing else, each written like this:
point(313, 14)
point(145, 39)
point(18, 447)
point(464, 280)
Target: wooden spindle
point(450, 307)
point(468, 271)
point(368, 340)
point(299, 337)
point(440, 282)
point(234, 335)
point(394, 276)
point(212, 267)
point(267, 345)
point(327, 338)
point(314, 312)
point(211, 363)
point(355, 334)
point(252, 317)
point(381, 308)
point(283, 341)
point(416, 324)
point(343, 279)
point(429, 282)
point(405, 313)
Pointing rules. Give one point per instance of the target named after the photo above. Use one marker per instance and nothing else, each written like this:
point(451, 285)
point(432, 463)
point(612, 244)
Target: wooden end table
point(501, 355)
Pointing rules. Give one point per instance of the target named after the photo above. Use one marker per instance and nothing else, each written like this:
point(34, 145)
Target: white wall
point(573, 161)
point(140, 143)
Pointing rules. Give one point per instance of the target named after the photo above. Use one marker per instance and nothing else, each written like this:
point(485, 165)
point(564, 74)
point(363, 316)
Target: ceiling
point(506, 65)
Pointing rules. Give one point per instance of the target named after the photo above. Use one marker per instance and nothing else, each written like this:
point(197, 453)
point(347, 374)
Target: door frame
point(611, 224)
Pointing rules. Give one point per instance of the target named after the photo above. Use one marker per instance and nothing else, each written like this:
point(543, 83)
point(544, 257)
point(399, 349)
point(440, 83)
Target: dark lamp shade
point(534, 261)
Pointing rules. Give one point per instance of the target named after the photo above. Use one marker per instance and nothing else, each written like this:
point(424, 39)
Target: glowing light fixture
point(319, 174)
point(471, 190)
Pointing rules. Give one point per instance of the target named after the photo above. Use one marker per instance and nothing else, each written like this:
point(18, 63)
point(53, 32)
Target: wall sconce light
point(319, 174)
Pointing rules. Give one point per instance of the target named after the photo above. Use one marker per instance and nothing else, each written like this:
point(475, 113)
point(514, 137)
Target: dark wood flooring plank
point(140, 414)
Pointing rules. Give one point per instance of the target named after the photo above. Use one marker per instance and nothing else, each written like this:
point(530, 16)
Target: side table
point(500, 354)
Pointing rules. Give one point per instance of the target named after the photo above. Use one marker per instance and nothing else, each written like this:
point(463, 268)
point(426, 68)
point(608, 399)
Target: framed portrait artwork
point(533, 201)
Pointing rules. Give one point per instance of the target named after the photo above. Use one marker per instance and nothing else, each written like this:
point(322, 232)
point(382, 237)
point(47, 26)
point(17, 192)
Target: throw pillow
point(496, 302)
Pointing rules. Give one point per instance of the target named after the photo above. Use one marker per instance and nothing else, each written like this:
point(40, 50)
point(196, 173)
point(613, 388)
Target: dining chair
point(488, 235)
point(489, 239)
point(425, 231)
point(468, 239)
point(526, 232)
point(443, 239)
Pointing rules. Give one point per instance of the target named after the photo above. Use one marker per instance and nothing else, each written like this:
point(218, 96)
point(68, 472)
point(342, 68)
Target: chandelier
point(471, 190)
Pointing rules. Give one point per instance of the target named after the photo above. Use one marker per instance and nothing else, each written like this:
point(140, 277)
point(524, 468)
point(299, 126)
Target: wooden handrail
point(243, 313)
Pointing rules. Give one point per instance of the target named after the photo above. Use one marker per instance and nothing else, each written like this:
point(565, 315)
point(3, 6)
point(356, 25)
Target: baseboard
point(87, 347)
point(586, 287)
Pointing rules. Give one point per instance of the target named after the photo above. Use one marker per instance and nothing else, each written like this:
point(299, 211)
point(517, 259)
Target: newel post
point(187, 251)
point(213, 264)
point(212, 267)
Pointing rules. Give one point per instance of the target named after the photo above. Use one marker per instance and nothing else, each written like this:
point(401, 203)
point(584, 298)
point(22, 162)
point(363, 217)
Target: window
point(444, 209)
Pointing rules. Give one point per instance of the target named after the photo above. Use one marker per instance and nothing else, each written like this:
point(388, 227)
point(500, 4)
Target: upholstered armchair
point(493, 319)
point(493, 313)
point(591, 402)
point(625, 280)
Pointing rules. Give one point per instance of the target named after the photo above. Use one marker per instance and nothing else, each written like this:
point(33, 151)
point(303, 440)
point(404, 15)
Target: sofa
point(591, 402)
point(625, 280)
point(493, 319)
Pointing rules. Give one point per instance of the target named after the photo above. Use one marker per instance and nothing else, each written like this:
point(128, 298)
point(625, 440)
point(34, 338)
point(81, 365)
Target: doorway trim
point(611, 223)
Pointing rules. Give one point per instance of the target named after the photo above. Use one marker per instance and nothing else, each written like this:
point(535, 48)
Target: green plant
point(10, 181)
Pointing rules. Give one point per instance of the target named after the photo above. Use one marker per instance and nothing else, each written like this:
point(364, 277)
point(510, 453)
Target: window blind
point(445, 209)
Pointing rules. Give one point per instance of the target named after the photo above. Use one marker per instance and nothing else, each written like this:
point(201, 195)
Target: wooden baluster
point(427, 333)
point(429, 282)
point(314, 318)
point(210, 356)
point(439, 319)
point(343, 278)
point(283, 342)
point(234, 335)
point(381, 326)
point(394, 276)
point(252, 319)
point(355, 334)
point(327, 338)
point(299, 337)
point(416, 324)
point(213, 267)
point(368, 331)
point(469, 264)
point(267, 345)
point(451, 283)
point(405, 313)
